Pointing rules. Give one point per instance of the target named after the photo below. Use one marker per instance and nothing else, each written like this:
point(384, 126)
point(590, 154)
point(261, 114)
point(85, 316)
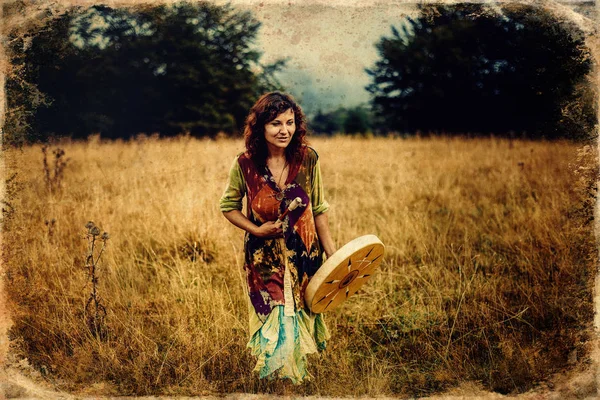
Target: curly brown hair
point(265, 110)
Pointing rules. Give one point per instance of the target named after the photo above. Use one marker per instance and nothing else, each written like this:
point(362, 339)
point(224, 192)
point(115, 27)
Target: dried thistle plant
point(94, 309)
point(11, 187)
point(50, 224)
point(53, 176)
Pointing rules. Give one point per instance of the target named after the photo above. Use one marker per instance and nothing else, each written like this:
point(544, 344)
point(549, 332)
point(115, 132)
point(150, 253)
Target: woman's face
point(279, 132)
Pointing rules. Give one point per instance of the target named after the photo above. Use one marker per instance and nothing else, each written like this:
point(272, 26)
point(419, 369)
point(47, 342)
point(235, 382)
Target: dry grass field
point(488, 274)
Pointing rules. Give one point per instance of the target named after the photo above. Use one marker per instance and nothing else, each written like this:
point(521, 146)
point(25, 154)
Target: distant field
point(488, 274)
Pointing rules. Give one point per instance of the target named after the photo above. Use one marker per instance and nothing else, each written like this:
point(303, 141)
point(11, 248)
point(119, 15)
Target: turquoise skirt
point(282, 342)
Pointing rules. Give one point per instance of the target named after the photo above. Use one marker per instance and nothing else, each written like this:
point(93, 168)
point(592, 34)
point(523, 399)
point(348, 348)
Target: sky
point(329, 43)
point(328, 46)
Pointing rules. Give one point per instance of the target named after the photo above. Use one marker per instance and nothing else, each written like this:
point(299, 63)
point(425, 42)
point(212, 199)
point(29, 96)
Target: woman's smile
point(279, 131)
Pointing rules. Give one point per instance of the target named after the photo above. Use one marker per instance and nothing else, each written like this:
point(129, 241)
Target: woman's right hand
point(269, 229)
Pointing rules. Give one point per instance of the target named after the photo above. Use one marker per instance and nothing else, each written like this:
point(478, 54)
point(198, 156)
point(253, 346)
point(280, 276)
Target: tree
point(186, 67)
point(23, 97)
point(464, 68)
point(328, 123)
point(357, 121)
point(347, 120)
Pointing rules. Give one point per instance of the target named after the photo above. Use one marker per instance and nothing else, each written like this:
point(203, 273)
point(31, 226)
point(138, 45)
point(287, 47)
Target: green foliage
point(186, 67)
point(465, 68)
point(357, 121)
point(343, 120)
point(23, 96)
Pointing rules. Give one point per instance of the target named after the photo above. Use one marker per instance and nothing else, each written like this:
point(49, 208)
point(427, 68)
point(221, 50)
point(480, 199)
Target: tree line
point(194, 68)
point(187, 67)
point(469, 68)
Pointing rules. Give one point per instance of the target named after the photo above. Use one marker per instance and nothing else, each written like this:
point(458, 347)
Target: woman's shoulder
point(243, 157)
point(241, 162)
point(310, 154)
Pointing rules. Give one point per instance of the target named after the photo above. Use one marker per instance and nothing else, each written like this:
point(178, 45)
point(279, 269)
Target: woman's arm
point(268, 229)
point(322, 225)
point(231, 206)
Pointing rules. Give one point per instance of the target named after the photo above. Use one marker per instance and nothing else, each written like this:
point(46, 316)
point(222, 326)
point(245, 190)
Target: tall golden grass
point(488, 273)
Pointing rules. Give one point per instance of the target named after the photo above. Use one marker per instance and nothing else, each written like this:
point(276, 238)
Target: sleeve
point(317, 194)
point(235, 190)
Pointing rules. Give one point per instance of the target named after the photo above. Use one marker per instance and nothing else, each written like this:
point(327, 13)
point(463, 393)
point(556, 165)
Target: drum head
point(343, 273)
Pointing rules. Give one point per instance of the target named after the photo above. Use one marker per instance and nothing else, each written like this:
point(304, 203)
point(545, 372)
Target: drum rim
point(335, 260)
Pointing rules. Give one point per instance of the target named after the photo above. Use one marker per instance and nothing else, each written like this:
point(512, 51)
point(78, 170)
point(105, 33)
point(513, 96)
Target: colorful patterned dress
point(278, 270)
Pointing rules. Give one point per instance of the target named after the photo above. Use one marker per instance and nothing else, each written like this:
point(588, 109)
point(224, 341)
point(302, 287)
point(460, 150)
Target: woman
point(280, 256)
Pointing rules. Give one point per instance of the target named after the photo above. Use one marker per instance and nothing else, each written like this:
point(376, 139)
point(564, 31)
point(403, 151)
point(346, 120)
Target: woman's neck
point(276, 154)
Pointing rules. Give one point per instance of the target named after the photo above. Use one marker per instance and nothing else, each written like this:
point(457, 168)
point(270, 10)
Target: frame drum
point(342, 274)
